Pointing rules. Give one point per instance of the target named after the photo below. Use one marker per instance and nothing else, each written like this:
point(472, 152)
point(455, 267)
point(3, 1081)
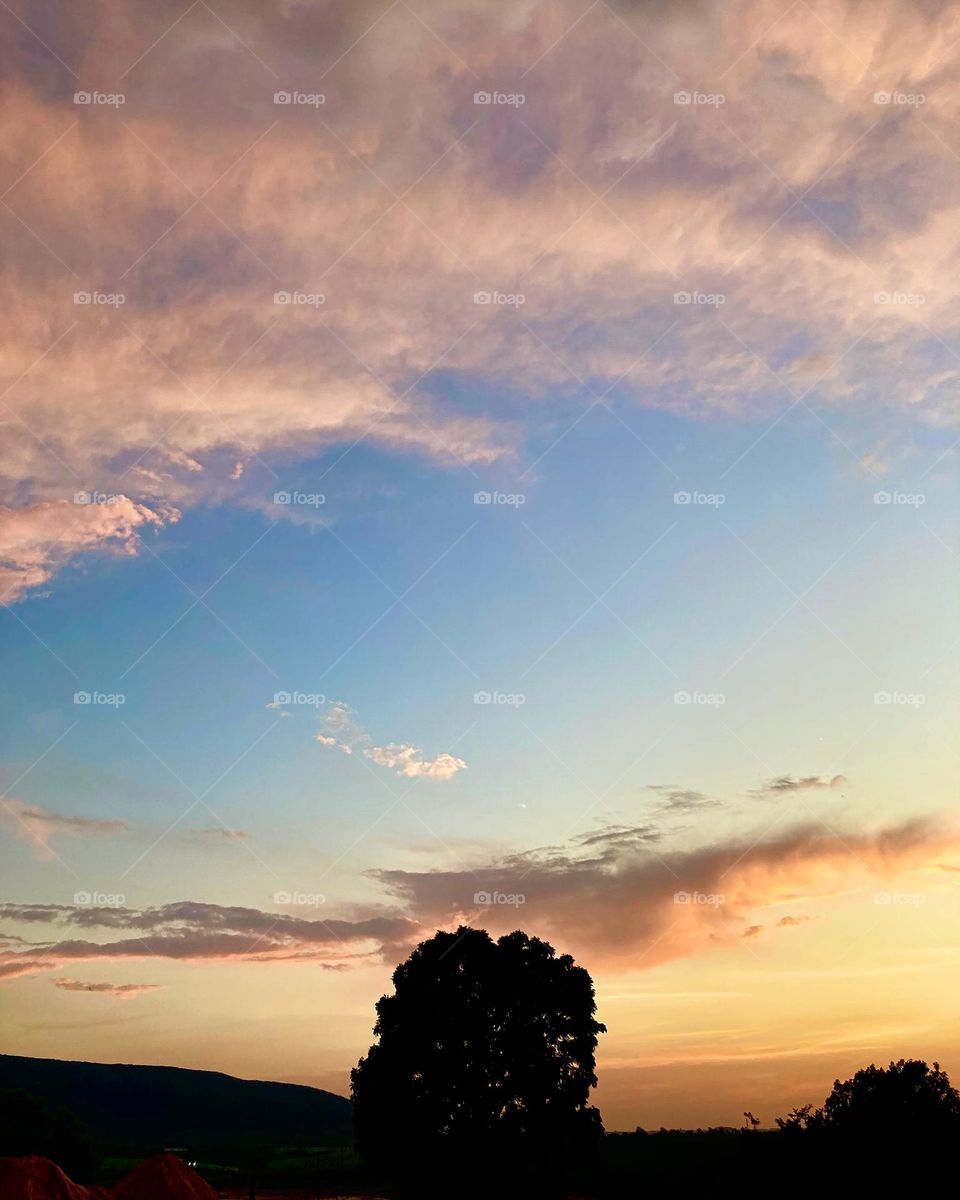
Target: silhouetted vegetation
point(484, 1065)
point(27, 1126)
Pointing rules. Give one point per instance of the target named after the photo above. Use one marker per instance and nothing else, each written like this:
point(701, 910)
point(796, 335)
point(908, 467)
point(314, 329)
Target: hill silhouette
point(143, 1109)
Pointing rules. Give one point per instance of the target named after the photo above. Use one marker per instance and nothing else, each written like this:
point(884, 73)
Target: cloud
point(613, 840)
point(346, 735)
point(194, 931)
point(783, 785)
point(23, 966)
point(681, 800)
point(409, 761)
point(35, 542)
point(645, 904)
point(39, 825)
point(121, 991)
point(799, 200)
point(214, 834)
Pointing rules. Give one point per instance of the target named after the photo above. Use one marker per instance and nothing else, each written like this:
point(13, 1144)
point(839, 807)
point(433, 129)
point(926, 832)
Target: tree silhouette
point(485, 1059)
point(906, 1099)
point(28, 1127)
point(904, 1112)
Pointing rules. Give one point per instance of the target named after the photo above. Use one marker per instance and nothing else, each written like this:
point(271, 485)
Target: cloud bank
point(203, 284)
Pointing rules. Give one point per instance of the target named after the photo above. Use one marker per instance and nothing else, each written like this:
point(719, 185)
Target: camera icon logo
point(482, 497)
point(281, 297)
point(481, 897)
point(281, 97)
point(682, 297)
point(482, 98)
point(682, 97)
point(81, 697)
point(81, 97)
point(281, 497)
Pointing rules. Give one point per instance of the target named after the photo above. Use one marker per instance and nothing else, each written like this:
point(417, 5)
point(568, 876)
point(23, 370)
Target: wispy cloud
point(181, 390)
point(784, 785)
point(39, 825)
point(35, 542)
point(193, 931)
point(121, 991)
point(214, 835)
point(345, 734)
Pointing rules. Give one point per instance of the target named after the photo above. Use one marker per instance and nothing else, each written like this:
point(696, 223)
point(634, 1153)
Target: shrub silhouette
point(485, 1059)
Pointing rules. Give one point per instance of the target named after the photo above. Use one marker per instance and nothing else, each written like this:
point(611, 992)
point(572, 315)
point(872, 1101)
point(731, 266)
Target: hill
point(143, 1109)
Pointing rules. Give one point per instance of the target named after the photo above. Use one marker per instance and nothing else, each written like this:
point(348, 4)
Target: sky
point(482, 464)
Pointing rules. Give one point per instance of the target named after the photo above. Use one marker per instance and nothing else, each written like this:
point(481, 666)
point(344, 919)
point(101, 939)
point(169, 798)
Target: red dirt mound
point(36, 1178)
point(163, 1177)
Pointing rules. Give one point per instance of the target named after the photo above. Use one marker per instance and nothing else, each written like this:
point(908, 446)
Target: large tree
point(485, 1057)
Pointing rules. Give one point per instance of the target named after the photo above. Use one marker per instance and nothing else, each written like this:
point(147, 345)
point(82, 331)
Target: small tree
point(485, 1059)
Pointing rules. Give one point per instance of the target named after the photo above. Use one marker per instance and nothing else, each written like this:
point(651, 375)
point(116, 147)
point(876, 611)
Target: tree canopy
point(485, 1054)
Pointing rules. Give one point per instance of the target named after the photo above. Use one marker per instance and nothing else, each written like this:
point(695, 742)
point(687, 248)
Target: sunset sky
point(493, 464)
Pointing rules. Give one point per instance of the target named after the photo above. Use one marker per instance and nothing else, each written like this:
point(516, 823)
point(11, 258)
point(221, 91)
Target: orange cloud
point(646, 905)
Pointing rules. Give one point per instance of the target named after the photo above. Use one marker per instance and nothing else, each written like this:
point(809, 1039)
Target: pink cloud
point(799, 199)
point(35, 542)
